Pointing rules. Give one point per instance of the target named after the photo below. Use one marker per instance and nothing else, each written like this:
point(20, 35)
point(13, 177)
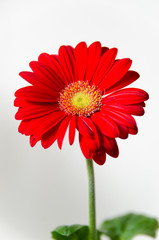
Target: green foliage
point(128, 226)
point(74, 232)
point(121, 228)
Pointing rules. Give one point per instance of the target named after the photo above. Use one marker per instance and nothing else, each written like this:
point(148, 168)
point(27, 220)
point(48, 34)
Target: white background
point(41, 189)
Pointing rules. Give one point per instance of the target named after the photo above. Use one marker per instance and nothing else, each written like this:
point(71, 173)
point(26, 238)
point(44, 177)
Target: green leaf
point(74, 232)
point(128, 226)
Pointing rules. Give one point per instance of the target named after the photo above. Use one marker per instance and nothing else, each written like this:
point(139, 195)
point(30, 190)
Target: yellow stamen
point(80, 98)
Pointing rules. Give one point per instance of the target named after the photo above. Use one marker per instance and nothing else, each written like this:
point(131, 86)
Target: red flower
point(80, 88)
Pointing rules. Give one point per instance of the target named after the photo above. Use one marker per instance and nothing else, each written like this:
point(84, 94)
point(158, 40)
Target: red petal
point(35, 94)
point(105, 63)
point(83, 128)
point(33, 140)
point(88, 146)
point(110, 146)
point(37, 81)
point(90, 125)
point(49, 137)
point(127, 96)
point(105, 125)
point(31, 127)
point(118, 70)
point(81, 54)
point(46, 75)
point(23, 127)
point(94, 53)
point(67, 61)
point(19, 102)
point(35, 111)
point(121, 118)
point(52, 62)
point(123, 132)
point(99, 157)
point(72, 129)
point(62, 130)
point(142, 104)
point(128, 78)
point(128, 109)
point(103, 50)
point(133, 130)
point(50, 121)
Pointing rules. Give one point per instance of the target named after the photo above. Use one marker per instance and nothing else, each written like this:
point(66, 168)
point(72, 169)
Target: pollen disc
point(80, 98)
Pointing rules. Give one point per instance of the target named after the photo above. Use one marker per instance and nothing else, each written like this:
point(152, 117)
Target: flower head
point(81, 88)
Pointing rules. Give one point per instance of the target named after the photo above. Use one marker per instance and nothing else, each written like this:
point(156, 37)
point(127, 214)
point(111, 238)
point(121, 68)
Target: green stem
point(92, 211)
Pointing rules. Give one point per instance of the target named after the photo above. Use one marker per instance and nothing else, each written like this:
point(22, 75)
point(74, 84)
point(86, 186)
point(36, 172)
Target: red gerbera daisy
point(80, 88)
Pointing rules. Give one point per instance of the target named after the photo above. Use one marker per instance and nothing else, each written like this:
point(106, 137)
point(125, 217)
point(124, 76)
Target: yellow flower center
point(80, 98)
